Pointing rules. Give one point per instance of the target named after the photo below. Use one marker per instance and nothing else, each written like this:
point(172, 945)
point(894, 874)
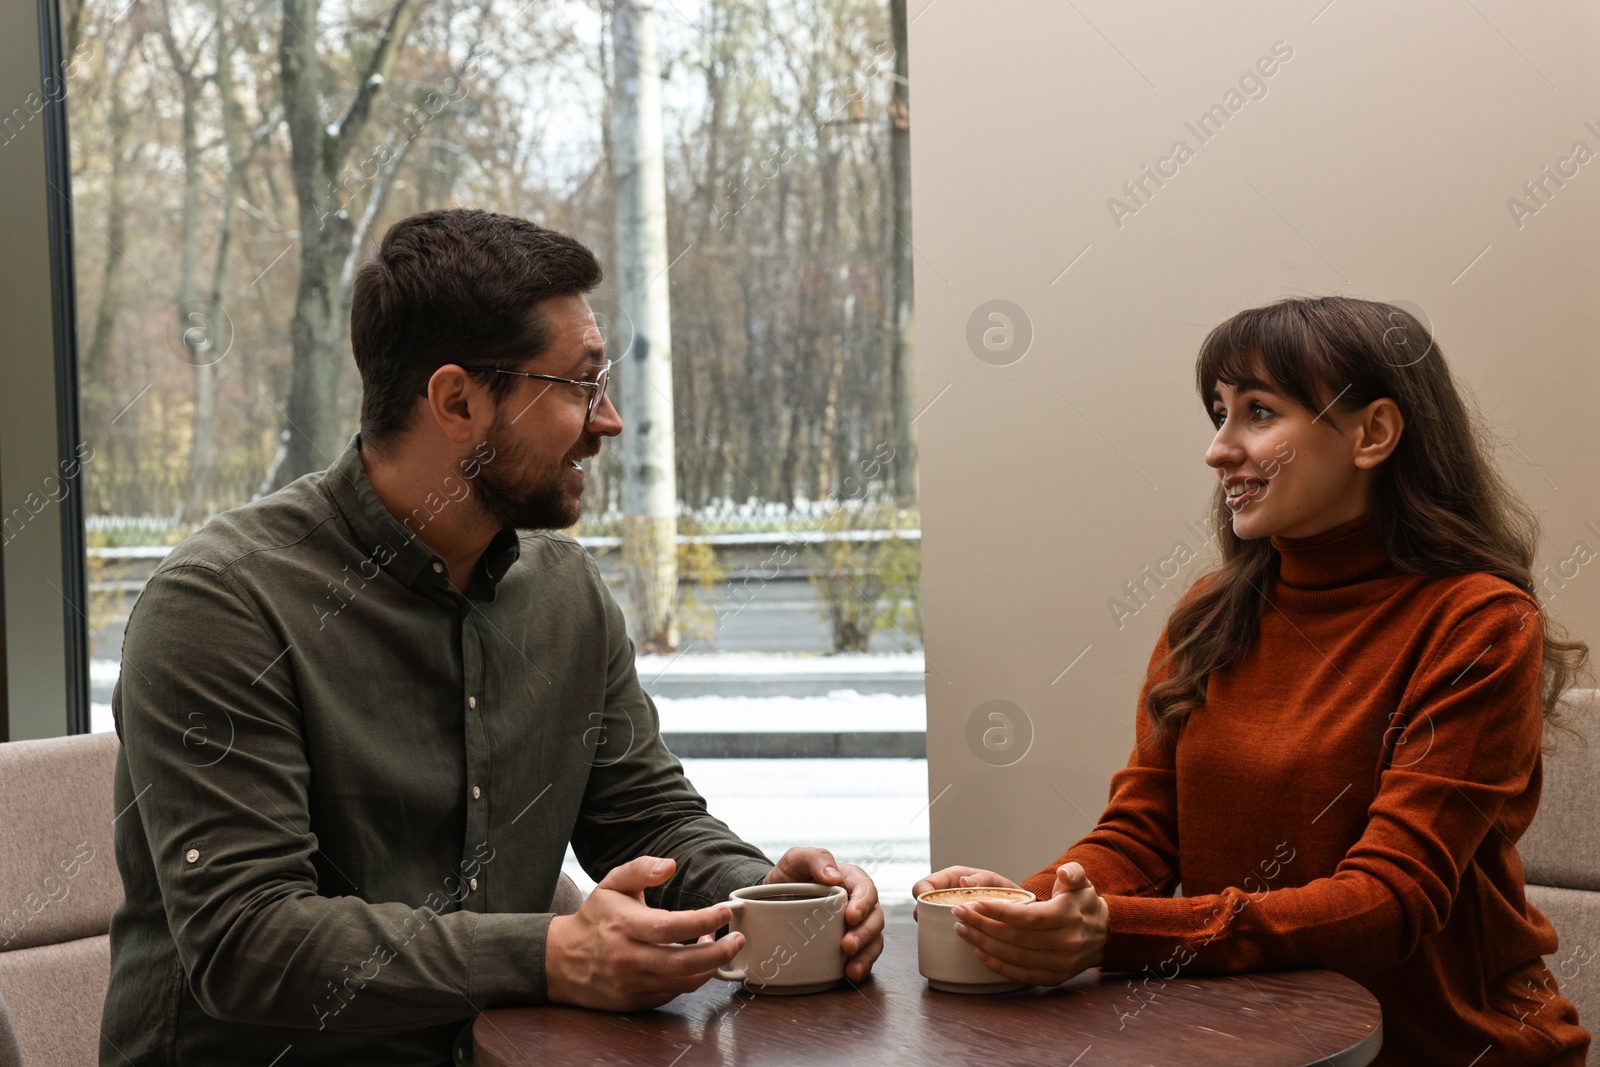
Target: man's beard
point(509, 503)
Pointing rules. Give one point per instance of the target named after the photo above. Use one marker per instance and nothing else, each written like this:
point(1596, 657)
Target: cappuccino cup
point(793, 937)
point(948, 963)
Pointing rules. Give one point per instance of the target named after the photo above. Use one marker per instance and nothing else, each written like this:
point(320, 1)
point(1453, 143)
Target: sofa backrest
point(1561, 854)
point(1562, 847)
point(58, 887)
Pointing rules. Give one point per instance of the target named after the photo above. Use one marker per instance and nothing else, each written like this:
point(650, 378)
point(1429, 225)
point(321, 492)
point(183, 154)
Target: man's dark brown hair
point(457, 285)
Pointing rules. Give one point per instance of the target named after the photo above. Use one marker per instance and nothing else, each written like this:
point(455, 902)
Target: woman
point(1339, 730)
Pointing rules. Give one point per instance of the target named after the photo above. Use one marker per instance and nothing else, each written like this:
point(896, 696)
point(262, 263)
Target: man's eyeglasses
point(597, 387)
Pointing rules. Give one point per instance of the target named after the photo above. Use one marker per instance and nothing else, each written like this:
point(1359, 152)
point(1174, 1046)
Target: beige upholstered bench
point(1561, 857)
point(58, 888)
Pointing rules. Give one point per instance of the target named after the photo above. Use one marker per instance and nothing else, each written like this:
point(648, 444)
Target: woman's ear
point(1378, 433)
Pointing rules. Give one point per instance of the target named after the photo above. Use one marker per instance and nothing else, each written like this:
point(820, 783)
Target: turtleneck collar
point(1339, 556)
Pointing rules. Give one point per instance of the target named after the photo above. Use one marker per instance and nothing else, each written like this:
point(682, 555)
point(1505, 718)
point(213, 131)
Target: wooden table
point(1277, 1018)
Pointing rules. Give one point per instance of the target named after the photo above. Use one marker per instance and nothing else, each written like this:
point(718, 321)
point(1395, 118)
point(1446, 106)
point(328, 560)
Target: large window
point(213, 373)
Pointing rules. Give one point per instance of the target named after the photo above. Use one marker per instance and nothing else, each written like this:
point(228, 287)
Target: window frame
point(43, 566)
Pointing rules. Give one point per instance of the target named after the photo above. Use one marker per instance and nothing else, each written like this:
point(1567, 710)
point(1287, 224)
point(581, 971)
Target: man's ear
point(1378, 433)
point(459, 406)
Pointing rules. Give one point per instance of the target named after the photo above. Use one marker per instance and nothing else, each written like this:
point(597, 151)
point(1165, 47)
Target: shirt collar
point(396, 548)
point(504, 549)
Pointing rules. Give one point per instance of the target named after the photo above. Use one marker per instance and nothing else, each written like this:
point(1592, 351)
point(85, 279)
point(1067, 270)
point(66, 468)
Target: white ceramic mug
point(793, 935)
point(949, 963)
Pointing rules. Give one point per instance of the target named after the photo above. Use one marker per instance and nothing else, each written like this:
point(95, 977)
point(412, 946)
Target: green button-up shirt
point(346, 789)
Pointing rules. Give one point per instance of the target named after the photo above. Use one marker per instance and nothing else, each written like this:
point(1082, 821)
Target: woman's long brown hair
point(1438, 505)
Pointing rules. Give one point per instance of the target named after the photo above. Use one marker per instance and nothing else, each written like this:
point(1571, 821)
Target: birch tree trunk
point(649, 489)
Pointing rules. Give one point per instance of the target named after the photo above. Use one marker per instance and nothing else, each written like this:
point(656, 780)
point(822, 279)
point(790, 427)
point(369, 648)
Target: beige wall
point(1378, 164)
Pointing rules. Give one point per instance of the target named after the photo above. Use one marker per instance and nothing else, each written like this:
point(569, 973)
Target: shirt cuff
point(754, 873)
point(508, 960)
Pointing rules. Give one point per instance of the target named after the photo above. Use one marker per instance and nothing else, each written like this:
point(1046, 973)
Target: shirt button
point(192, 855)
point(476, 792)
point(472, 702)
point(439, 567)
point(473, 883)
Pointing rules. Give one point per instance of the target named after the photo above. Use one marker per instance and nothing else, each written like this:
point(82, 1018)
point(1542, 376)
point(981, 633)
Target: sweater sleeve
point(1470, 727)
point(1133, 850)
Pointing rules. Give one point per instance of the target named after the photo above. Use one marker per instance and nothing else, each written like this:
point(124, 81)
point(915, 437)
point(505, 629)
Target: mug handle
point(728, 974)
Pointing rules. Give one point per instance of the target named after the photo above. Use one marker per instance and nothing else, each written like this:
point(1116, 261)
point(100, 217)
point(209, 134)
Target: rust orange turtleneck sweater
point(1350, 797)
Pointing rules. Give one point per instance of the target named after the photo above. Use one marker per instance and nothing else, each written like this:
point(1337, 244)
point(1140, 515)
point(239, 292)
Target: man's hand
point(1043, 942)
point(619, 954)
point(863, 918)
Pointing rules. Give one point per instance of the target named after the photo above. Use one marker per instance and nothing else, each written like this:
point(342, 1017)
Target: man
point(363, 717)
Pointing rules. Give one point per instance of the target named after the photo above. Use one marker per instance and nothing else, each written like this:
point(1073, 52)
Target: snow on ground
point(763, 663)
point(841, 711)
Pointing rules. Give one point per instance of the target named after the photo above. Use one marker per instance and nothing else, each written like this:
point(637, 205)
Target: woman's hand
point(1044, 942)
point(959, 878)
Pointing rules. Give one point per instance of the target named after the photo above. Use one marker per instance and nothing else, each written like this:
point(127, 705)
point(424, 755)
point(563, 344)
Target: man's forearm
point(712, 860)
point(343, 964)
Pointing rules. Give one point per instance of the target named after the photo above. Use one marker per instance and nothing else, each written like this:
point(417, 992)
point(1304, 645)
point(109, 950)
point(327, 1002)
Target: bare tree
point(242, 147)
point(194, 327)
point(390, 155)
point(121, 157)
point(784, 222)
point(318, 156)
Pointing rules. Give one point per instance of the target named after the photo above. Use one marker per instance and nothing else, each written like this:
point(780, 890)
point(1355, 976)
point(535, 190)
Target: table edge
point(1359, 1054)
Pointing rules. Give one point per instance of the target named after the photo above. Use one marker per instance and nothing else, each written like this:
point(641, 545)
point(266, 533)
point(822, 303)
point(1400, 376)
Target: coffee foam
point(975, 894)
